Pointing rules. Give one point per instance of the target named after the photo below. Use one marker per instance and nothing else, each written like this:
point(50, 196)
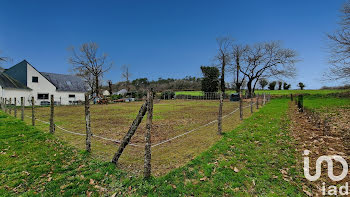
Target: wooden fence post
point(257, 101)
point(240, 105)
point(15, 107)
point(130, 133)
point(251, 103)
point(301, 103)
point(52, 124)
point(147, 164)
point(264, 99)
point(291, 97)
point(220, 113)
point(87, 123)
point(10, 106)
point(22, 108)
point(33, 114)
point(5, 105)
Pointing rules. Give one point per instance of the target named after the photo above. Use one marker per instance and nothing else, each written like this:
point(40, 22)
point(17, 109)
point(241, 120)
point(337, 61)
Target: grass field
point(34, 163)
point(171, 118)
point(255, 159)
point(272, 92)
point(319, 102)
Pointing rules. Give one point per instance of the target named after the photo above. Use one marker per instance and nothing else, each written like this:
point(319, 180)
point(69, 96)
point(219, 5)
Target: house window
point(35, 79)
point(71, 96)
point(43, 96)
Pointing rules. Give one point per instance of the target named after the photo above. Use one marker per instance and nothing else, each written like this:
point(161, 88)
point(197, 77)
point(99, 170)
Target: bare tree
point(110, 88)
point(126, 76)
point(89, 64)
point(3, 59)
point(239, 55)
point(268, 60)
point(340, 48)
point(88, 78)
point(223, 58)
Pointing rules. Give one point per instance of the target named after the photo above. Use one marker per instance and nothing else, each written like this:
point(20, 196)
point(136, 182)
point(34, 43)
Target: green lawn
point(256, 158)
point(325, 102)
point(36, 163)
point(272, 92)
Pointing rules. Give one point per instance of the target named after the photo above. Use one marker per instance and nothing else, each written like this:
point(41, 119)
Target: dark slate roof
point(66, 82)
point(8, 82)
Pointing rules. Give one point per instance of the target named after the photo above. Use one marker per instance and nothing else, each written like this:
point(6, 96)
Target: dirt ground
point(171, 118)
point(320, 138)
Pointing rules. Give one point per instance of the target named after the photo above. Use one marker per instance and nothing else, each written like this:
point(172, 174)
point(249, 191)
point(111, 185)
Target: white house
point(23, 80)
point(121, 92)
point(105, 93)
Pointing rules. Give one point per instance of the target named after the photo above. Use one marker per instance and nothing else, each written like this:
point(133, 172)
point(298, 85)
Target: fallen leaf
point(92, 182)
point(203, 179)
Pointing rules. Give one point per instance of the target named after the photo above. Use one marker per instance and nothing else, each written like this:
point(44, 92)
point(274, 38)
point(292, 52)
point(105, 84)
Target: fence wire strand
point(137, 145)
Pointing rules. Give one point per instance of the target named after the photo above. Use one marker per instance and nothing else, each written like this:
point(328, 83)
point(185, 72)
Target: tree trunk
point(220, 113)
point(147, 164)
point(52, 124)
point(249, 86)
point(87, 123)
point(96, 85)
point(130, 133)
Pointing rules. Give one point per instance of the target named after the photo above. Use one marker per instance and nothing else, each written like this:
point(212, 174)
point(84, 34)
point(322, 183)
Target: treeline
point(160, 85)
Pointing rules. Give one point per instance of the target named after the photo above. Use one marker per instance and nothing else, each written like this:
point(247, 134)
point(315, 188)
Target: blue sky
point(165, 38)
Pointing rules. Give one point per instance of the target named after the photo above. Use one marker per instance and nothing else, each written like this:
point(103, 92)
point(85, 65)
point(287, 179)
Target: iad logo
point(329, 160)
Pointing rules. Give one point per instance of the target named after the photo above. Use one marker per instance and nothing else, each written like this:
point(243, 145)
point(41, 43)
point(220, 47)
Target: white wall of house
point(44, 86)
point(16, 93)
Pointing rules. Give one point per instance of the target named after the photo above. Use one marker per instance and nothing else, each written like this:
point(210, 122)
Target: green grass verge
point(34, 163)
point(257, 158)
point(325, 102)
point(272, 92)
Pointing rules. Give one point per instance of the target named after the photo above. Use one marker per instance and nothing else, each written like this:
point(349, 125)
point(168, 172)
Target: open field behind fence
point(171, 118)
